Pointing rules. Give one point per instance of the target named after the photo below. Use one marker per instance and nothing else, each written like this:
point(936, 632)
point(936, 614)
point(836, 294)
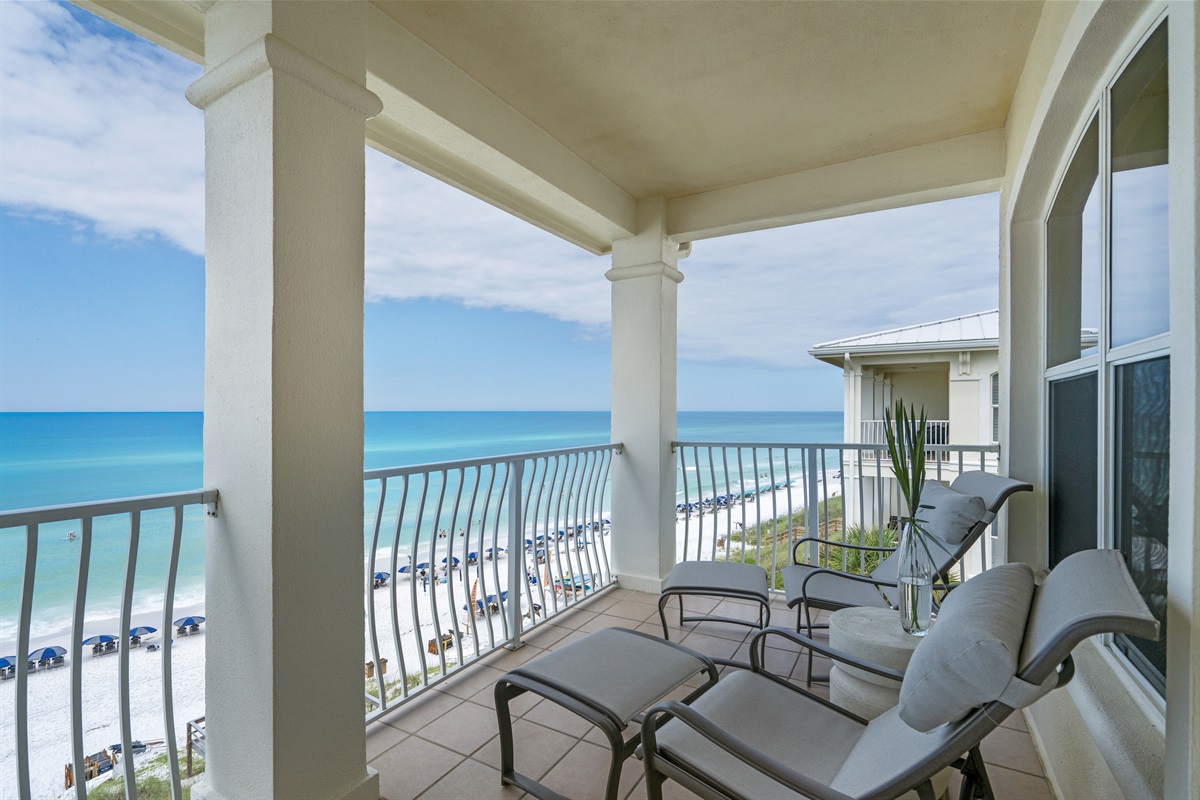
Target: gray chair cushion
point(970, 655)
point(622, 670)
point(829, 590)
point(952, 514)
point(697, 577)
point(794, 730)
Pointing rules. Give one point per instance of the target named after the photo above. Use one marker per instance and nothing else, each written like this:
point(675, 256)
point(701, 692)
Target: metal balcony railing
point(155, 522)
point(751, 502)
point(449, 578)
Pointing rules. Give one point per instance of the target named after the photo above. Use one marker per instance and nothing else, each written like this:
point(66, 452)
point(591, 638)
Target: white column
point(284, 115)
point(644, 317)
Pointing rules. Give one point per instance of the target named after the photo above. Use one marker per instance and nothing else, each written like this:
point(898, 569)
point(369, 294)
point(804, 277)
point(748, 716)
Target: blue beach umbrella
point(46, 653)
point(422, 565)
point(142, 630)
point(190, 621)
point(496, 550)
point(451, 560)
point(478, 605)
point(8, 661)
point(103, 638)
point(379, 576)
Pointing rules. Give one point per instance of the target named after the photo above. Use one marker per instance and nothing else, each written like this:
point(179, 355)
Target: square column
point(284, 119)
point(644, 320)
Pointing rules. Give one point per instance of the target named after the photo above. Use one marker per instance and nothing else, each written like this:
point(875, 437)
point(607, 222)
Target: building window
point(995, 408)
point(1108, 341)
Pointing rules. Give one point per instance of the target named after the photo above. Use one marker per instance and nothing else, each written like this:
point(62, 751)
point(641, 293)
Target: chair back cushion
point(970, 654)
point(952, 515)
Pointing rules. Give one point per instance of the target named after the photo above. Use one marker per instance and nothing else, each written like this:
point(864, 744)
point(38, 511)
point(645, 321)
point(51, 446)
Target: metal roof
point(979, 331)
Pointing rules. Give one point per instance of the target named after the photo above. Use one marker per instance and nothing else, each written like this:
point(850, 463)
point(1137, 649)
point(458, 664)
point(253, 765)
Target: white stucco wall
point(1104, 737)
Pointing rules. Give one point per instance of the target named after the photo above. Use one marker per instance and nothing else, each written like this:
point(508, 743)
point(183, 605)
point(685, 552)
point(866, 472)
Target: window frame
point(1105, 361)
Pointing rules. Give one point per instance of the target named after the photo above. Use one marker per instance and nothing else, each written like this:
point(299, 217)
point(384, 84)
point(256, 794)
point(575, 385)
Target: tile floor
point(444, 743)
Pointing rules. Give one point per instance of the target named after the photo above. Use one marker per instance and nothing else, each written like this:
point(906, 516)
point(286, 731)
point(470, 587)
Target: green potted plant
point(906, 437)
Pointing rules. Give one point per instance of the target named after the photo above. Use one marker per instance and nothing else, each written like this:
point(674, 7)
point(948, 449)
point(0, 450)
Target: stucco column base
point(645, 286)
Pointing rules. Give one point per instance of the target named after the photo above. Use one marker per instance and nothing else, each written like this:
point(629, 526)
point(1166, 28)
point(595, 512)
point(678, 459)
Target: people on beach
point(71, 536)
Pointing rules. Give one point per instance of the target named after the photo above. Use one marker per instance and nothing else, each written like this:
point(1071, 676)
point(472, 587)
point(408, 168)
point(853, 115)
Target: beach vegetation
point(412, 680)
point(152, 779)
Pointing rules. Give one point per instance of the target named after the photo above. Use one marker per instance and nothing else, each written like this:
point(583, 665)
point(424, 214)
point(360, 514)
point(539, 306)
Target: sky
point(467, 307)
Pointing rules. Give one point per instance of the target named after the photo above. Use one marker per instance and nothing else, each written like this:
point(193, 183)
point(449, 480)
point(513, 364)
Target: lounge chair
point(999, 644)
point(957, 516)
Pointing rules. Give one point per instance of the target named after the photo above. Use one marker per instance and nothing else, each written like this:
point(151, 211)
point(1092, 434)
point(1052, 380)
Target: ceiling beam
point(959, 167)
point(442, 121)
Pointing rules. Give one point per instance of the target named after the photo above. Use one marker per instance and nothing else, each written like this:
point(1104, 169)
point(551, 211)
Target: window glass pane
point(1139, 195)
point(1073, 466)
point(995, 407)
point(1073, 256)
point(1142, 479)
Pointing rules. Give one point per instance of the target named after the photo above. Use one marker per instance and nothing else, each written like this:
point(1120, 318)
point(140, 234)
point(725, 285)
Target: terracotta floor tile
point(536, 749)
point(474, 678)
point(557, 718)
point(473, 780)
point(412, 716)
point(463, 729)
point(411, 767)
point(631, 609)
point(712, 646)
point(1010, 783)
point(381, 738)
point(583, 772)
point(1013, 749)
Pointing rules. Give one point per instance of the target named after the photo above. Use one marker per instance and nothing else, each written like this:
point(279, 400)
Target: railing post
point(516, 553)
point(812, 516)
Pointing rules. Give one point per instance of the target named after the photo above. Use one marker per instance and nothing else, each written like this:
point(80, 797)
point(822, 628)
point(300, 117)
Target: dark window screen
point(1142, 483)
point(1073, 460)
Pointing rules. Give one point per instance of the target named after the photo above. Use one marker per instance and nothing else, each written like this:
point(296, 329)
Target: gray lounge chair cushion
point(952, 515)
point(970, 655)
point(829, 590)
point(695, 577)
point(785, 725)
point(616, 668)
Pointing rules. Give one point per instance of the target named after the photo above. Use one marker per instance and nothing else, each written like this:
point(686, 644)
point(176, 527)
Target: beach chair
point(194, 629)
point(999, 645)
point(957, 516)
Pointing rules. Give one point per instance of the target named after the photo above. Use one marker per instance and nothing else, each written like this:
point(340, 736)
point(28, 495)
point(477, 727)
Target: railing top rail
point(965, 448)
point(102, 508)
point(414, 469)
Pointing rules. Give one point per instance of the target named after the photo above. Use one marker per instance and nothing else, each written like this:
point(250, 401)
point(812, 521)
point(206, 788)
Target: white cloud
point(97, 128)
point(768, 296)
point(428, 239)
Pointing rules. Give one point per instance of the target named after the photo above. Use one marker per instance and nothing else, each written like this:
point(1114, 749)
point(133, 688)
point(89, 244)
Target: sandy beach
point(49, 690)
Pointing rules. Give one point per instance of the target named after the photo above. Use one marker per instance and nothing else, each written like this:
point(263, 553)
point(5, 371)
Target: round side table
point(875, 635)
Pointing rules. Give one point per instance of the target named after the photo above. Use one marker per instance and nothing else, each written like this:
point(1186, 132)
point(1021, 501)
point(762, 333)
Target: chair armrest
point(832, 543)
point(793, 780)
point(847, 575)
point(804, 641)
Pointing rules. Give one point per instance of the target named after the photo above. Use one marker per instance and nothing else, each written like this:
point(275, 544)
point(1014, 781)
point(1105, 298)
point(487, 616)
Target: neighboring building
point(951, 369)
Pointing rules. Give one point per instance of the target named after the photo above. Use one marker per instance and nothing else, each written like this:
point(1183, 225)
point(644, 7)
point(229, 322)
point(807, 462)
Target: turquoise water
point(51, 459)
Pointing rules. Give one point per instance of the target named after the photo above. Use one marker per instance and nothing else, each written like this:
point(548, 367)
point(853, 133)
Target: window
point(995, 408)
point(1108, 341)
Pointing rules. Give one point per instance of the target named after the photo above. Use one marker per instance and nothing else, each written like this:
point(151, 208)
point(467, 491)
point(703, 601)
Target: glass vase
point(916, 582)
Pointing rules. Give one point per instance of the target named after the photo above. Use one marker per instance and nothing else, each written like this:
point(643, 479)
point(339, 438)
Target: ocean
point(57, 458)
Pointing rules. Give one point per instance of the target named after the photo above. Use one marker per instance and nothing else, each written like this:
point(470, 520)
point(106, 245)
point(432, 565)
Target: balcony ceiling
point(673, 99)
point(745, 115)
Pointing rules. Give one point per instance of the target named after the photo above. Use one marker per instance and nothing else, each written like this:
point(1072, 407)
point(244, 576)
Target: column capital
point(653, 269)
point(270, 52)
